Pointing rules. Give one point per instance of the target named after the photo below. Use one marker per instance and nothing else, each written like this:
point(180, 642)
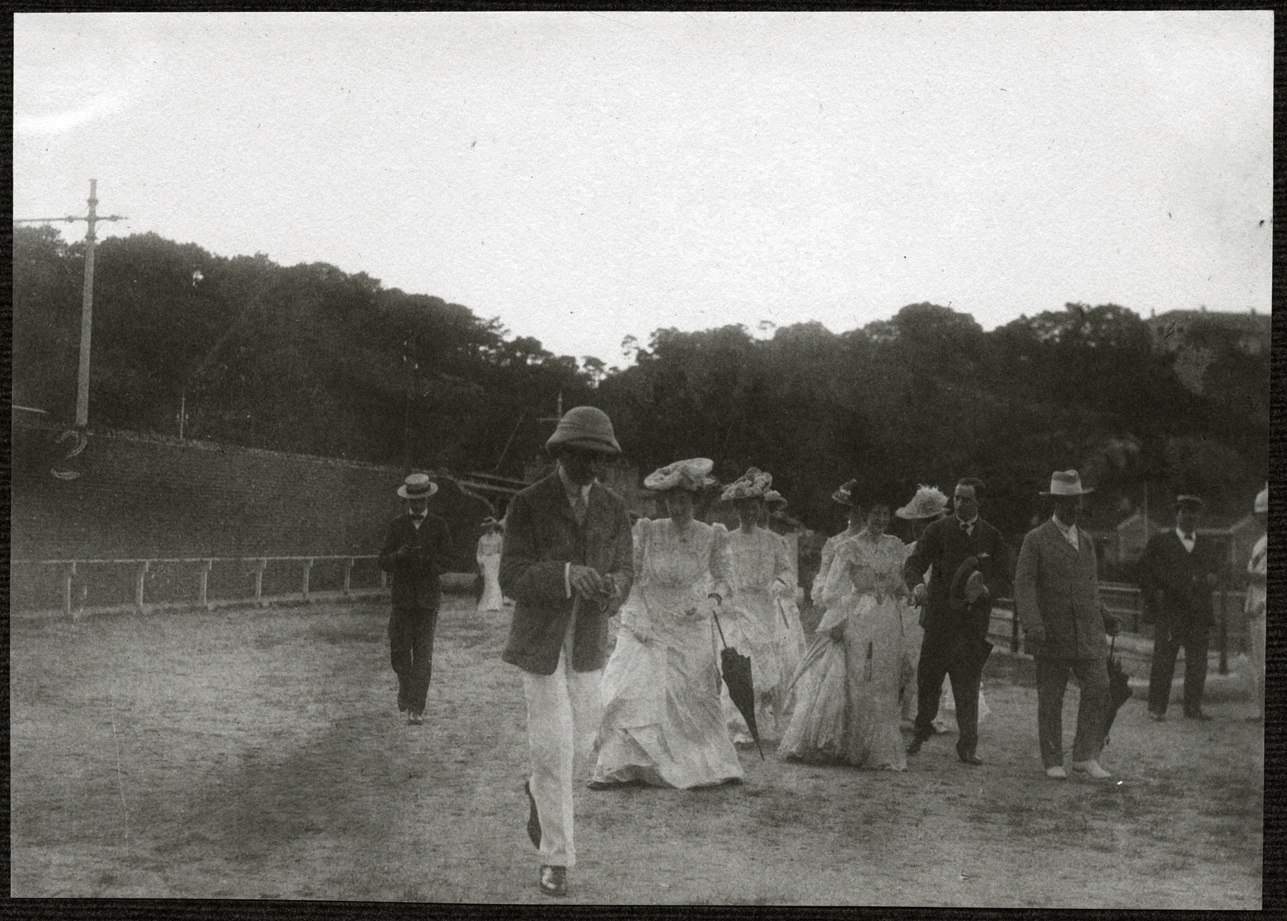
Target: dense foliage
point(308, 358)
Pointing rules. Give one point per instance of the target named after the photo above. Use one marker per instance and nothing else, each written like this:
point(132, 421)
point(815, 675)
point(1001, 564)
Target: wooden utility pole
point(87, 296)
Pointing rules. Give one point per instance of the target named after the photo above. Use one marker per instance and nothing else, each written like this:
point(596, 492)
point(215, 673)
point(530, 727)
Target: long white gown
point(758, 576)
point(847, 705)
point(488, 556)
point(788, 629)
point(662, 722)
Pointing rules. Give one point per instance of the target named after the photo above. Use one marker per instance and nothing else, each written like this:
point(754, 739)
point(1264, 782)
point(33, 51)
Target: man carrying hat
point(415, 548)
point(567, 562)
point(955, 643)
point(1056, 598)
point(1177, 572)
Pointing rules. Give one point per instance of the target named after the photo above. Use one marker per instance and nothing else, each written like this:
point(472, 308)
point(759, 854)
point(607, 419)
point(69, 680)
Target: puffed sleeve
point(838, 583)
point(783, 571)
point(720, 562)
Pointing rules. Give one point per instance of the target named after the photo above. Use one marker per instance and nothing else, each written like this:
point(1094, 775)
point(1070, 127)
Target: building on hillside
point(1252, 329)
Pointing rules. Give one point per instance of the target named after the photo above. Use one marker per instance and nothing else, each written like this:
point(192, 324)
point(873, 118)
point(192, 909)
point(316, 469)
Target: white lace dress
point(662, 720)
point(758, 576)
point(847, 707)
point(488, 556)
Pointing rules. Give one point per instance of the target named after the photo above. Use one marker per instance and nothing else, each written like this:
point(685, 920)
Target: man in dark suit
point(414, 550)
point(955, 643)
point(567, 562)
point(1177, 572)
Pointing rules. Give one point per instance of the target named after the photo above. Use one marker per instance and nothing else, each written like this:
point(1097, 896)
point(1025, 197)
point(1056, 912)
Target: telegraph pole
point(87, 297)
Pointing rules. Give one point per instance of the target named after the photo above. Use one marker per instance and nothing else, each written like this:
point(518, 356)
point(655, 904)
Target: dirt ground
point(258, 754)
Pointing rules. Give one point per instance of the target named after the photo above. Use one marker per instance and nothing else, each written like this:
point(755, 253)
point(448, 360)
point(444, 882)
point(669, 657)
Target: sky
point(588, 176)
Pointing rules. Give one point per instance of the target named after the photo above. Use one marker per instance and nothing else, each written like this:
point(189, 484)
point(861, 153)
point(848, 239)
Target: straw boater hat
point(751, 485)
point(844, 494)
point(417, 486)
point(1262, 500)
point(692, 474)
point(1066, 483)
point(929, 502)
point(775, 499)
point(587, 428)
point(1185, 499)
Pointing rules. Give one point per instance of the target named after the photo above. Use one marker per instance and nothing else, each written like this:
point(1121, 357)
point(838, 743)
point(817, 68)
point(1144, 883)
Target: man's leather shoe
point(533, 820)
point(554, 880)
point(1090, 768)
point(914, 745)
point(968, 756)
point(1197, 715)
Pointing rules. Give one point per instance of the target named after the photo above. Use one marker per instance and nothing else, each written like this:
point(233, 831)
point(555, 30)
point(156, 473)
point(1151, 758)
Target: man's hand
point(918, 593)
point(1035, 636)
point(1112, 626)
point(838, 632)
point(587, 582)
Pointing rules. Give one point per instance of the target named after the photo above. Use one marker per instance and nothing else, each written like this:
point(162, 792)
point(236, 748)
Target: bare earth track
point(257, 754)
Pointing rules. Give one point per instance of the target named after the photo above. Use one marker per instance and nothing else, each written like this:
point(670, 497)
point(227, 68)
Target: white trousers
point(563, 714)
point(1256, 653)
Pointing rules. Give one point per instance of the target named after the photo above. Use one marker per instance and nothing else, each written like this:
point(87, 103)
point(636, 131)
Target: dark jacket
point(945, 546)
point(541, 537)
point(1179, 577)
point(1057, 587)
point(415, 573)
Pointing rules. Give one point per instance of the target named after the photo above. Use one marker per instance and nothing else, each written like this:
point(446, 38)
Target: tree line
point(311, 359)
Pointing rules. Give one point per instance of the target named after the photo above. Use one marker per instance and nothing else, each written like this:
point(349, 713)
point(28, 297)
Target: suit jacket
point(1180, 577)
point(1057, 586)
point(415, 578)
point(541, 537)
point(945, 546)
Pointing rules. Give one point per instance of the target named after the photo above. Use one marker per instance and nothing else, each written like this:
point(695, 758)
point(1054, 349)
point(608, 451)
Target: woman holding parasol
point(662, 722)
point(847, 695)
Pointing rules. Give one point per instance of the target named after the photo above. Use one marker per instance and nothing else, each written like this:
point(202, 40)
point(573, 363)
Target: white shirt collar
point(1187, 541)
point(1069, 531)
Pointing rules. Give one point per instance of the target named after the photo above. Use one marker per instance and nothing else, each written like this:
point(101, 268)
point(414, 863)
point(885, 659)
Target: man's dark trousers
point(411, 653)
point(949, 650)
point(1194, 637)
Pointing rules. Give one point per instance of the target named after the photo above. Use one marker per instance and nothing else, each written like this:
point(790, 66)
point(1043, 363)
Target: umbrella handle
point(719, 628)
point(781, 610)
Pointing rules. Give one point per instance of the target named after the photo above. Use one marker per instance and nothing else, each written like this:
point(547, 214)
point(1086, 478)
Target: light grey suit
point(1056, 586)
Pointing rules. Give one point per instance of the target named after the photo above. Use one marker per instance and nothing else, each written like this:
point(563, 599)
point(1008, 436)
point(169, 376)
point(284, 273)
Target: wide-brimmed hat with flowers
point(844, 494)
point(751, 485)
point(929, 502)
point(692, 474)
point(775, 499)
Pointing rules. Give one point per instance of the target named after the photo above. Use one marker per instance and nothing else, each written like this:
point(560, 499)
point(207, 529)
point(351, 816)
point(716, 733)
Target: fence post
point(139, 580)
point(308, 564)
point(260, 566)
point(206, 565)
point(384, 579)
point(1224, 633)
point(67, 588)
point(348, 572)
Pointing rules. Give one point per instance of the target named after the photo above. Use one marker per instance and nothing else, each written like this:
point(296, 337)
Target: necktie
point(578, 507)
point(1188, 535)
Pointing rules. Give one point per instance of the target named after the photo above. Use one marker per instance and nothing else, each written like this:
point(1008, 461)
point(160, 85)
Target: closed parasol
point(736, 669)
point(1119, 688)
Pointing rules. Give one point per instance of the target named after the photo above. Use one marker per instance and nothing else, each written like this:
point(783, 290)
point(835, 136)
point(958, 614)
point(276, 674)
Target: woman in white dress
point(662, 722)
point(488, 556)
point(790, 633)
point(928, 504)
point(758, 576)
point(843, 496)
point(847, 696)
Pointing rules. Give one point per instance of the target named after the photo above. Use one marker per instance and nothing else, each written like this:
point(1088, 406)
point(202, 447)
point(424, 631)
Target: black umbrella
point(1119, 688)
point(736, 669)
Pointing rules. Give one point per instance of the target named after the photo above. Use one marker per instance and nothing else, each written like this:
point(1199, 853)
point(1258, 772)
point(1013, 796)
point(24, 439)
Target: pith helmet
point(587, 428)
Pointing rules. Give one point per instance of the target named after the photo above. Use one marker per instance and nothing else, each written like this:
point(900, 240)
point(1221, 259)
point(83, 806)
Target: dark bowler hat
point(1189, 500)
point(417, 486)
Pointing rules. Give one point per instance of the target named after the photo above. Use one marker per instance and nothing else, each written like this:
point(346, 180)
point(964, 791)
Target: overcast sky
point(587, 176)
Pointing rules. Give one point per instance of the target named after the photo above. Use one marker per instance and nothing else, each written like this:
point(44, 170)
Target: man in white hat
point(1056, 598)
point(1177, 573)
point(567, 562)
point(1257, 596)
point(414, 550)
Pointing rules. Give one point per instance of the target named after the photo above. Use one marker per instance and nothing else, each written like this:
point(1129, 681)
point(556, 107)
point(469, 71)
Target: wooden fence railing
point(100, 585)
